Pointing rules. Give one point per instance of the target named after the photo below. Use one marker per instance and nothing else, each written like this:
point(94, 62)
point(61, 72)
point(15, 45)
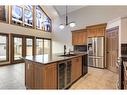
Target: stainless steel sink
point(67, 55)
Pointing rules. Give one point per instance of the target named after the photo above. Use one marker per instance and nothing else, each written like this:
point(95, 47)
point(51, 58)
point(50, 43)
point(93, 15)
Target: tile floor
point(97, 79)
point(12, 77)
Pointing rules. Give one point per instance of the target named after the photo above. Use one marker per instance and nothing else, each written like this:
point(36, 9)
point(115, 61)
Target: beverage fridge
point(96, 52)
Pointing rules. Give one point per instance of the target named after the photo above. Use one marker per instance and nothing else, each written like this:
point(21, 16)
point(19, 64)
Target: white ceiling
point(62, 9)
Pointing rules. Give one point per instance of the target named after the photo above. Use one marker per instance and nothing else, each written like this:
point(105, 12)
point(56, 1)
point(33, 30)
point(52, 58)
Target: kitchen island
point(54, 71)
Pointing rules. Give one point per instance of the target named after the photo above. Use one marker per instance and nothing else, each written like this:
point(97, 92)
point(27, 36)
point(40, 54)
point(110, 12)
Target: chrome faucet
point(64, 49)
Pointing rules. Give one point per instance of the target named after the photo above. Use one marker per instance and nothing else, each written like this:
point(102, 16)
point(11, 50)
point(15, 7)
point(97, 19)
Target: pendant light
point(71, 24)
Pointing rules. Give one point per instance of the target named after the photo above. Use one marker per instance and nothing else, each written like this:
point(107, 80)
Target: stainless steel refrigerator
point(96, 52)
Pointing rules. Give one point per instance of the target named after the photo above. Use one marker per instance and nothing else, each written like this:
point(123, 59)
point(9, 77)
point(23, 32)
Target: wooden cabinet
point(125, 75)
point(53, 75)
point(29, 76)
point(76, 68)
point(50, 76)
point(96, 30)
point(79, 37)
point(39, 76)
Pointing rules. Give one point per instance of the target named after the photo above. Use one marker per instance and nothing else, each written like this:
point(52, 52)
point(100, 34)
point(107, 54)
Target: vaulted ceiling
point(62, 9)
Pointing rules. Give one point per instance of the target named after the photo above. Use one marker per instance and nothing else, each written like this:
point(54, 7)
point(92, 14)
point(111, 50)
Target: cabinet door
point(79, 37)
point(76, 68)
point(96, 30)
point(74, 38)
point(50, 76)
point(79, 67)
point(38, 76)
point(100, 32)
point(29, 75)
point(84, 38)
point(91, 33)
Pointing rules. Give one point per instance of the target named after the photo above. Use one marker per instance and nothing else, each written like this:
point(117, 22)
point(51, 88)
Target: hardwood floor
point(12, 77)
point(97, 79)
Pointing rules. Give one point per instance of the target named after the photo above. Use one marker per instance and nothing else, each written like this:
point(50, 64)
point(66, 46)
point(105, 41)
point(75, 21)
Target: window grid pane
point(3, 48)
point(29, 47)
point(39, 46)
point(17, 48)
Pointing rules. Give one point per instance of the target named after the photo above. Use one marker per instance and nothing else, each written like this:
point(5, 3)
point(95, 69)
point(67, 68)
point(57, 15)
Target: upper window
point(17, 14)
point(43, 22)
point(3, 13)
point(31, 16)
point(28, 15)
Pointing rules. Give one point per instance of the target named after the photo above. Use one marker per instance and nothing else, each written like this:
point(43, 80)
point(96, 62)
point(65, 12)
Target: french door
point(29, 47)
point(17, 50)
point(4, 47)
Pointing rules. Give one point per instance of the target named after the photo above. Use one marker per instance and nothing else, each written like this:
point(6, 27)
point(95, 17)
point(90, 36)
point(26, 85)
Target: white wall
point(83, 17)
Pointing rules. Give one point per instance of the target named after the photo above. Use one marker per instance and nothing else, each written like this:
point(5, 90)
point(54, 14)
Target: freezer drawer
point(99, 62)
point(96, 62)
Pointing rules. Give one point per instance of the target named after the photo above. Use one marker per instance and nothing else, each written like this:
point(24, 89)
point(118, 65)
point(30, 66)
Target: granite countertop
point(45, 59)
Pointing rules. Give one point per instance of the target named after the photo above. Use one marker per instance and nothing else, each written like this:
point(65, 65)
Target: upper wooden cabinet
point(79, 37)
point(96, 30)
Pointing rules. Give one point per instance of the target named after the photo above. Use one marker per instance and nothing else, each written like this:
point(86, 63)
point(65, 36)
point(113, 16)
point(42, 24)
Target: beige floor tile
point(97, 79)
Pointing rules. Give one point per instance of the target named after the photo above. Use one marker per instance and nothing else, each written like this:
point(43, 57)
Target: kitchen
point(45, 56)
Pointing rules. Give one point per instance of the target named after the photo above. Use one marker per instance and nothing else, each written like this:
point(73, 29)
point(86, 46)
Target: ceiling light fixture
point(71, 24)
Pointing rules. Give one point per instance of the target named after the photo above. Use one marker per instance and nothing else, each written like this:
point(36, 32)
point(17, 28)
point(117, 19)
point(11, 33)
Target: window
point(47, 24)
point(17, 48)
point(28, 15)
point(17, 15)
point(47, 47)
point(43, 22)
point(3, 13)
point(29, 46)
point(3, 48)
point(39, 46)
point(39, 18)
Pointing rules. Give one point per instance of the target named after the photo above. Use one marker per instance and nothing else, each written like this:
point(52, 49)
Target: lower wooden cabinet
point(38, 76)
point(125, 81)
point(50, 76)
point(76, 68)
point(29, 75)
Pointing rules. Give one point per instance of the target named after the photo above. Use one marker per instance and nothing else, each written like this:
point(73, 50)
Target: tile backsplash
point(123, 48)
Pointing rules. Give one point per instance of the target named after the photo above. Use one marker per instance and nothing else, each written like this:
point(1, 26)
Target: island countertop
point(45, 59)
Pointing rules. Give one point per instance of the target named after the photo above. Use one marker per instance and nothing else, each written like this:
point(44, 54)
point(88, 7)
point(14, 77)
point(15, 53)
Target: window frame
point(36, 44)
point(12, 45)
point(7, 45)
point(46, 16)
point(7, 12)
point(32, 17)
point(33, 44)
point(11, 21)
point(50, 44)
